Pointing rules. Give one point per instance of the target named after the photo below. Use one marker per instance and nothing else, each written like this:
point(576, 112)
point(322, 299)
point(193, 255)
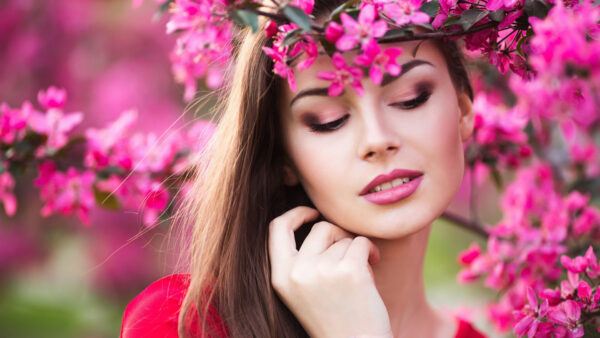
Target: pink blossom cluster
point(499, 139)
point(203, 47)
point(564, 53)
point(120, 168)
point(525, 250)
point(206, 30)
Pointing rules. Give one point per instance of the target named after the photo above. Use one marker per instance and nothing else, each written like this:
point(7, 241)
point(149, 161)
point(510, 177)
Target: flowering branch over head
point(498, 29)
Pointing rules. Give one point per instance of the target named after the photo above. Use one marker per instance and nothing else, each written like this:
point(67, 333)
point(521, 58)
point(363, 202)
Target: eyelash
point(410, 104)
point(424, 95)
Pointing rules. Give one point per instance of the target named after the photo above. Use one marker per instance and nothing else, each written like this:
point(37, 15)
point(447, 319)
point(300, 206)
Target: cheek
point(446, 150)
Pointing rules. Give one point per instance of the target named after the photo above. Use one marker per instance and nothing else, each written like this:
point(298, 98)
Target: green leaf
point(537, 8)
point(106, 200)
point(328, 46)
point(110, 170)
point(497, 15)
point(471, 16)
point(291, 36)
point(244, 17)
point(395, 33)
point(453, 20)
point(335, 15)
point(297, 16)
point(425, 25)
point(162, 9)
point(430, 8)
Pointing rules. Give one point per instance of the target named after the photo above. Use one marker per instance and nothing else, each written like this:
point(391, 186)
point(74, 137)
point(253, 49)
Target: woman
point(371, 173)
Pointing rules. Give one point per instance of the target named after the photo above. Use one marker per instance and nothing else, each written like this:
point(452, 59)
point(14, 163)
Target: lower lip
point(394, 194)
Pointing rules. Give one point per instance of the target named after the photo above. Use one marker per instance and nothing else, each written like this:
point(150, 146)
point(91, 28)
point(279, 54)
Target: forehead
point(425, 50)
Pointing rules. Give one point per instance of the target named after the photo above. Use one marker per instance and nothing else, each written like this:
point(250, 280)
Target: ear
point(290, 178)
point(467, 115)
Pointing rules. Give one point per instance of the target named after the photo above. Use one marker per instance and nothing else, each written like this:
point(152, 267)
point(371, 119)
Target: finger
point(337, 250)
point(362, 250)
point(281, 242)
point(321, 236)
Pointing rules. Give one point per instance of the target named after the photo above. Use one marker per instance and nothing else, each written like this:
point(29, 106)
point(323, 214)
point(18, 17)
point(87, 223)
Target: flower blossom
point(7, 184)
point(67, 193)
point(405, 12)
point(342, 76)
point(378, 60)
point(362, 31)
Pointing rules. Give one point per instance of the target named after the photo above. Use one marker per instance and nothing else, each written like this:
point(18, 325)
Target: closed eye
point(329, 126)
point(424, 91)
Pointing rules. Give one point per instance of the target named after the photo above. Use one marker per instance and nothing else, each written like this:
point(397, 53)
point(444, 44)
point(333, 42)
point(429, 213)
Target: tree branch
point(465, 223)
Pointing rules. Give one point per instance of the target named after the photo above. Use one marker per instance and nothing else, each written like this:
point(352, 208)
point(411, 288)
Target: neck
point(399, 280)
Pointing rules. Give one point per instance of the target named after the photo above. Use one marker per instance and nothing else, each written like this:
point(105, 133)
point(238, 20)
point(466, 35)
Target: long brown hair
point(239, 188)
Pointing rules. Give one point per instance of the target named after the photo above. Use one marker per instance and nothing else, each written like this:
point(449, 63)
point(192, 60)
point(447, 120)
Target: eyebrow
point(387, 79)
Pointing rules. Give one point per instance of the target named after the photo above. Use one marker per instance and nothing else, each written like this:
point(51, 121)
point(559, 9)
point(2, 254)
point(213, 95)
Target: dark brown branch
point(412, 37)
point(438, 35)
point(465, 223)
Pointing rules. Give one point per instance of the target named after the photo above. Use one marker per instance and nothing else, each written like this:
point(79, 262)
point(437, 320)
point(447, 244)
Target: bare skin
point(361, 272)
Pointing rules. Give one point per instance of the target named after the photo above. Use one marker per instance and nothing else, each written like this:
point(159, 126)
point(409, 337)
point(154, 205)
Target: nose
point(379, 140)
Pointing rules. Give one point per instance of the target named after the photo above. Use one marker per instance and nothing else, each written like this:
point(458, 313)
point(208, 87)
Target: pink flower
point(362, 31)
point(588, 220)
point(333, 31)
point(378, 60)
point(567, 314)
point(445, 7)
point(584, 292)
point(507, 5)
point(271, 29)
point(52, 98)
point(469, 255)
point(67, 193)
point(7, 184)
point(405, 12)
point(307, 46)
point(568, 287)
point(552, 296)
point(593, 269)
point(55, 124)
point(532, 315)
point(280, 67)
point(574, 265)
point(305, 5)
point(342, 76)
point(109, 146)
point(155, 201)
point(13, 122)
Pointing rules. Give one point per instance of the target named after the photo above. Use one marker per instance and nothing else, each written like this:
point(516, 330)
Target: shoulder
point(466, 330)
point(155, 311)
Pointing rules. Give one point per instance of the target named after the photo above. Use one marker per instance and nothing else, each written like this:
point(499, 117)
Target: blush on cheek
point(450, 150)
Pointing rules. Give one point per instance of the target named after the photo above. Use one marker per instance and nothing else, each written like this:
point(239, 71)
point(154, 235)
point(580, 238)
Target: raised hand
point(328, 283)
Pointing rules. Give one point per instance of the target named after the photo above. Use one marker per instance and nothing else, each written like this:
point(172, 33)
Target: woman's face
point(339, 145)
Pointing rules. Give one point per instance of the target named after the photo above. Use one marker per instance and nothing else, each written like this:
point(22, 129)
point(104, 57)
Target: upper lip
point(396, 173)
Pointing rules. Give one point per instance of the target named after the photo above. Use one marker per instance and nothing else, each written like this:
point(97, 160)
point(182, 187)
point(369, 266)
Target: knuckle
point(361, 241)
point(321, 226)
point(298, 277)
point(346, 269)
point(323, 270)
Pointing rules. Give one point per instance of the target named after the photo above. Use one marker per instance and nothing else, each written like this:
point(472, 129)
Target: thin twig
point(438, 35)
point(465, 223)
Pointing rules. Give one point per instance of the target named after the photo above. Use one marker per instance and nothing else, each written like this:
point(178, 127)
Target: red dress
point(154, 312)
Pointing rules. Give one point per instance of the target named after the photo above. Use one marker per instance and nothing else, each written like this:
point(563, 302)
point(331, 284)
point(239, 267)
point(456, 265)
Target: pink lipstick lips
point(392, 187)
